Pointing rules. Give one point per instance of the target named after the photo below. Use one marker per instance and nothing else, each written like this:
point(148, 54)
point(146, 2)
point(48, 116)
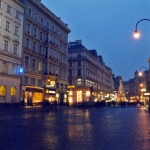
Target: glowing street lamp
point(136, 32)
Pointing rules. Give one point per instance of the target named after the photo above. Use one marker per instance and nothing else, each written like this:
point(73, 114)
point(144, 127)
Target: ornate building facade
point(11, 27)
point(45, 42)
point(89, 79)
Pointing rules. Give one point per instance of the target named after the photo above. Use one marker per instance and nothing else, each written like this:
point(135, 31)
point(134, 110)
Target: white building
point(11, 27)
point(44, 54)
point(89, 78)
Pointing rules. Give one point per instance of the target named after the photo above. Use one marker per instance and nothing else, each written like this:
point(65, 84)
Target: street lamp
point(136, 32)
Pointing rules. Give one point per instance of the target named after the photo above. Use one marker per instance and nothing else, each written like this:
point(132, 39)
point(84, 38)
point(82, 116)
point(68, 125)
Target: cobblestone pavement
point(75, 129)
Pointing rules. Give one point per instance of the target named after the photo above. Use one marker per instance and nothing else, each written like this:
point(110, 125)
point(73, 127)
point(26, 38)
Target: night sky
point(108, 26)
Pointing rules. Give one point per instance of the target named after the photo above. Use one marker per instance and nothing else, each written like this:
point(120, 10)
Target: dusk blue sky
point(108, 26)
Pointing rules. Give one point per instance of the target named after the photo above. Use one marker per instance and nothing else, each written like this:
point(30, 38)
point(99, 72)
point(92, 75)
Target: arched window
point(13, 91)
point(2, 90)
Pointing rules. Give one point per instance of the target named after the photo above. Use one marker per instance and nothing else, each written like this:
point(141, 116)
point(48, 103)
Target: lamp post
point(137, 35)
point(136, 32)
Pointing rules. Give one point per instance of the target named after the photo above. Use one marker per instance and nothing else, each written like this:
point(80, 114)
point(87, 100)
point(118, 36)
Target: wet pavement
point(75, 129)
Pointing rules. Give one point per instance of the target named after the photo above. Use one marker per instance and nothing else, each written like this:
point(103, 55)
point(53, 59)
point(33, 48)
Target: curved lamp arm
point(136, 33)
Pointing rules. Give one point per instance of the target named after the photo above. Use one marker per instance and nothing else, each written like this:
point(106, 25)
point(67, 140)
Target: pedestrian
point(55, 104)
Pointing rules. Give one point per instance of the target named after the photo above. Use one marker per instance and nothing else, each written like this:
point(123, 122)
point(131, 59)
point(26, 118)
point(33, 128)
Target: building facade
point(89, 79)
point(11, 27)
point(45, 41)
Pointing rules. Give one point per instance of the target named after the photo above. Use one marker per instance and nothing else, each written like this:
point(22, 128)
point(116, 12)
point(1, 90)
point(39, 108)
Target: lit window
point(15, 49)
point(78, 81)
point(17, 14)
point(7, 25)
point(5, 45)
point(8, 9)
point(16, 30)
point(39, 66)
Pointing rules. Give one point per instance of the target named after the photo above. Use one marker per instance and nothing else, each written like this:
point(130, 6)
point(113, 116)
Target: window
point(39, 82)
point(45, 67)
point(40, 49)
point(17, 14)
point(26, 61)
point(46, 51)
point(79, 55)
point(32, 81)
point(46, 37)
point(70, 64)
point(7, 25)
point(28, 28)
point(14, 69)
point(26, 80)
point(64, 74)
point(0, 3)
point(4, 67)
point(29, 11)
point(79, 73)
point(41, 20)
point(61, 47)
point(60, 73)
point(5, 45)
point(35, 16)
point(8, 9)
point(53, 28)
point(34, 32)
point(65, 38)
point(39, 66)
point(47, 24)
point(70, 73)
point(16, 30)
point(79, 63)
point(34, 46)
point(15, 48)
point(41, 35)
point(33, 64)
point(78, 81)
point(27, 42)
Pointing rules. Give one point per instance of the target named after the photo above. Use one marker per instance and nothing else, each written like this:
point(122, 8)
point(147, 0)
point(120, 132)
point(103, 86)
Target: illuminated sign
point(50, 86)
point(71, 86)
point(50, 91)
point(146, 93)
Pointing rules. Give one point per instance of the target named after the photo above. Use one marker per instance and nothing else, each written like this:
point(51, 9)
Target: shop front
point(32, 95)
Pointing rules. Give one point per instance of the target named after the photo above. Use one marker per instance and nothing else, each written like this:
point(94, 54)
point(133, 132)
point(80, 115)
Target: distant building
point(89, 79)
point(11, 31)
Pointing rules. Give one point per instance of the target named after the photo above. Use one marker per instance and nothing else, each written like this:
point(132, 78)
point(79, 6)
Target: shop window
point(2, 90)
point(13, 91)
